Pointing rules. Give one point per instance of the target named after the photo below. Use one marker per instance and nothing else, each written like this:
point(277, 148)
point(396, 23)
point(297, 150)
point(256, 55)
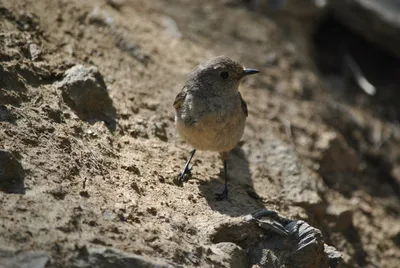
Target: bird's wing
point(244, 105)
point(180, 98)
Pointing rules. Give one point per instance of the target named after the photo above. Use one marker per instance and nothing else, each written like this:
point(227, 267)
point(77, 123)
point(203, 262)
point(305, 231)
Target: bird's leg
point(186, 169)
point(224, 194)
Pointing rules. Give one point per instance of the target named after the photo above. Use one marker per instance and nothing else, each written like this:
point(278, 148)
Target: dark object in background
point(356, 43)
point(378, 21)
point(335, 44)
point(375, 20)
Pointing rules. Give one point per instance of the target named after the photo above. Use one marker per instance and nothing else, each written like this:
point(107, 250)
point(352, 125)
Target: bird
point(210, 113)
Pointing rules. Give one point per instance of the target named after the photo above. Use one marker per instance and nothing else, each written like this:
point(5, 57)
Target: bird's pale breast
point(211, 124)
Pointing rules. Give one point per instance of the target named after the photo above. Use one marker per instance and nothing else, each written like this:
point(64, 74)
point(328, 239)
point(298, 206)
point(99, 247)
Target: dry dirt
point(107, 179)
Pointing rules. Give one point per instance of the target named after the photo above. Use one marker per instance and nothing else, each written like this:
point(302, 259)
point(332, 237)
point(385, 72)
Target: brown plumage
point(210, 111)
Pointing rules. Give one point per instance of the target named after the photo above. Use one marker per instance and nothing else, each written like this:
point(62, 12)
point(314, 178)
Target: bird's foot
point(222, 196)
point(184, 174)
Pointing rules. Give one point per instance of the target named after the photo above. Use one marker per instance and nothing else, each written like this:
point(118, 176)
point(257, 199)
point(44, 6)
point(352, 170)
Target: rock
point(103, 257)
point(285, 243)
point(378, 21)
point(17, 259)
point(268, 220)
point(12, 175)
point(308, 250)
point(300, 246)
point(85, 92)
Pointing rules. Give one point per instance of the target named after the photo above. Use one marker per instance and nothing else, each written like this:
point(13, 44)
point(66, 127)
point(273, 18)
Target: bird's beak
point(247, 71)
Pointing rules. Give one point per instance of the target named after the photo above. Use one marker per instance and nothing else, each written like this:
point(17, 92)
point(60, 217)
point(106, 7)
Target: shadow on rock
point(85, 92)
point(12, 174)
point(240, 187)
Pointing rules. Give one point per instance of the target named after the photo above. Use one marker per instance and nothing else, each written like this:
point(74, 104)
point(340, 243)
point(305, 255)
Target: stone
point(29, 259)
point(85, 92)
point(12, 174)
point(268, 220)
point(308, 244)
point(285, 243)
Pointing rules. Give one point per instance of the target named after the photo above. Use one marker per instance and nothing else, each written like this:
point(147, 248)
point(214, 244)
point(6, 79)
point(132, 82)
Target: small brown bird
point(210, 112)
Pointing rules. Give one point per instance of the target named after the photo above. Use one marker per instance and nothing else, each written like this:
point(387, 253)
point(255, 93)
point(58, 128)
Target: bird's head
point(218, 76)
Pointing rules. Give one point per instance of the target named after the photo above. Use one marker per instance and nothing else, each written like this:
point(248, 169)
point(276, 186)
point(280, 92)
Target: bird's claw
point(181, 177)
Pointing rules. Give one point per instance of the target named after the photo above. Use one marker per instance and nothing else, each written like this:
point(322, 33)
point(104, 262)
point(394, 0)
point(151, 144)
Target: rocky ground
point(89, 152)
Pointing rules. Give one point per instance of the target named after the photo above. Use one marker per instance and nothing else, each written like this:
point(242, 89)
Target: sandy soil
point(309, 151)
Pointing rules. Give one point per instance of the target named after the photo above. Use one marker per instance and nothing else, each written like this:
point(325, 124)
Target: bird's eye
point(224, 75)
